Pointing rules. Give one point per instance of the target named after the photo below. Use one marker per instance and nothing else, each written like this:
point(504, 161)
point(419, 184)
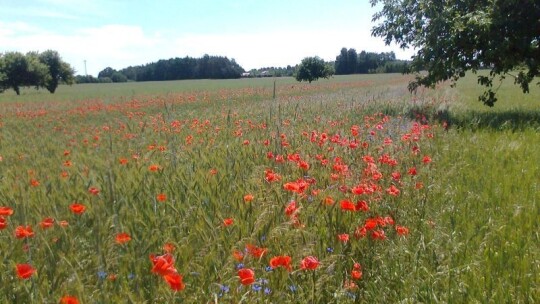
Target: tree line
point(206, 67)
point(351, 62)
point(34, 69)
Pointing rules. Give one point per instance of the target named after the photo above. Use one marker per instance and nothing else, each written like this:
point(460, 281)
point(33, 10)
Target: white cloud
point(120, 46)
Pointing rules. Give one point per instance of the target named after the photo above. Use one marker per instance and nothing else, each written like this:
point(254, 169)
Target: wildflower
point(25, 271)
point(3, 223)
point(412, 171)
point(329, 201)
point(356, 274)
point(34, 182)
point(168, 247)
point(247, 276)
point(344, 238)
point(401, 230)
point(255, 251)
point(63, 224)
point(238, 255)
point(46, 223)
point(162, 264)
point(161, 197)
point(426, 159)
point(175, 281)
point(213, 171)
point(271, 176)
point(122, 238)
point(393, 190)
point(6, 211)
point(291, 209)
point(309, 262)
point(347, 205)
point(228, 222)
point(123, 161)
point(362, 205)
point(282, 260)
point(378, 235)
point(248, 197)
point(22, 232)
point(154, 168)
point(93, 190)
point(77, 208)
point(69, 300)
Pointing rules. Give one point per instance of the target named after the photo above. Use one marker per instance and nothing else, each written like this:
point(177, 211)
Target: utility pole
point(85, 73)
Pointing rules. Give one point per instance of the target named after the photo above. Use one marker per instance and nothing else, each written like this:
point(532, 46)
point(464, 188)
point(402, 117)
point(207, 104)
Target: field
point(347, 190)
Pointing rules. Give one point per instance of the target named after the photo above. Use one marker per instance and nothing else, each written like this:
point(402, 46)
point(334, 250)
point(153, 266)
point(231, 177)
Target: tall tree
point(352, 61)
point(342, 62)
point(456, 36)
point(58, 70)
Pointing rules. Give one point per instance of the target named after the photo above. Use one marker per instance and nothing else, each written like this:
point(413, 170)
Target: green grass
point(473, 225)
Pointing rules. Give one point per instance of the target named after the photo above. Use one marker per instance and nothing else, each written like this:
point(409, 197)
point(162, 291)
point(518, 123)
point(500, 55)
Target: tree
point(313, 68)
point(20, 70)
point(58, 70)
point(107, 72)
point(118, 77)
point(455, 36)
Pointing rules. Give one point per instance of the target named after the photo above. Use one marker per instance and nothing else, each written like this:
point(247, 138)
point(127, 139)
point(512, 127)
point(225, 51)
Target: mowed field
point(347, 190)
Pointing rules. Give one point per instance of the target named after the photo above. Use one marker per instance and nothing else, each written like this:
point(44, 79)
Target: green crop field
point(347, 190)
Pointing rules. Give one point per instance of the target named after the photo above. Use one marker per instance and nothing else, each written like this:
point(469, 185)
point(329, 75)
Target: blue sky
point(256, 33)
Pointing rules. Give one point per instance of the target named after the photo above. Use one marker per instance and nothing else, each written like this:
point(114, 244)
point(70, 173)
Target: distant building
point(246, 74)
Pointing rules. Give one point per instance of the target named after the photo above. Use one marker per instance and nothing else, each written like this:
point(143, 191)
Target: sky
point(122, 33)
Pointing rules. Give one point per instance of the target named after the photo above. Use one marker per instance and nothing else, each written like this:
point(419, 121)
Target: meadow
point(346, 190)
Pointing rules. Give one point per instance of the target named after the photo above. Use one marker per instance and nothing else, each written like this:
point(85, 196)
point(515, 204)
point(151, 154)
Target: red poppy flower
point(47, 223)
point(401, 230)
point(25, 271)
point(282, 260)
point(255, 251)
point(228, 222)
point(6, 211)
point(93, 190)
point(77, 208)
point(248, 198)
point(393, 190)
point(271, 176)
point(309, 262)
point(69, 300)
point(123, 161)
point(154, 168)
point(344, 238)
point(22, 232)
point(3, 223)
point(247, 276)
point(122, 238)
point(238, 255)
point(161, 197)
point(356, 274)
point(328, 201)
point(370, 223)
point(162, 264)
point(347, 205)
point(175, 281)
point(291, 209)
point(168, 247)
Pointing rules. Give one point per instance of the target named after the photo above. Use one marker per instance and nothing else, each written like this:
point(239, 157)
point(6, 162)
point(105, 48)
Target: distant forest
point(218, 67)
